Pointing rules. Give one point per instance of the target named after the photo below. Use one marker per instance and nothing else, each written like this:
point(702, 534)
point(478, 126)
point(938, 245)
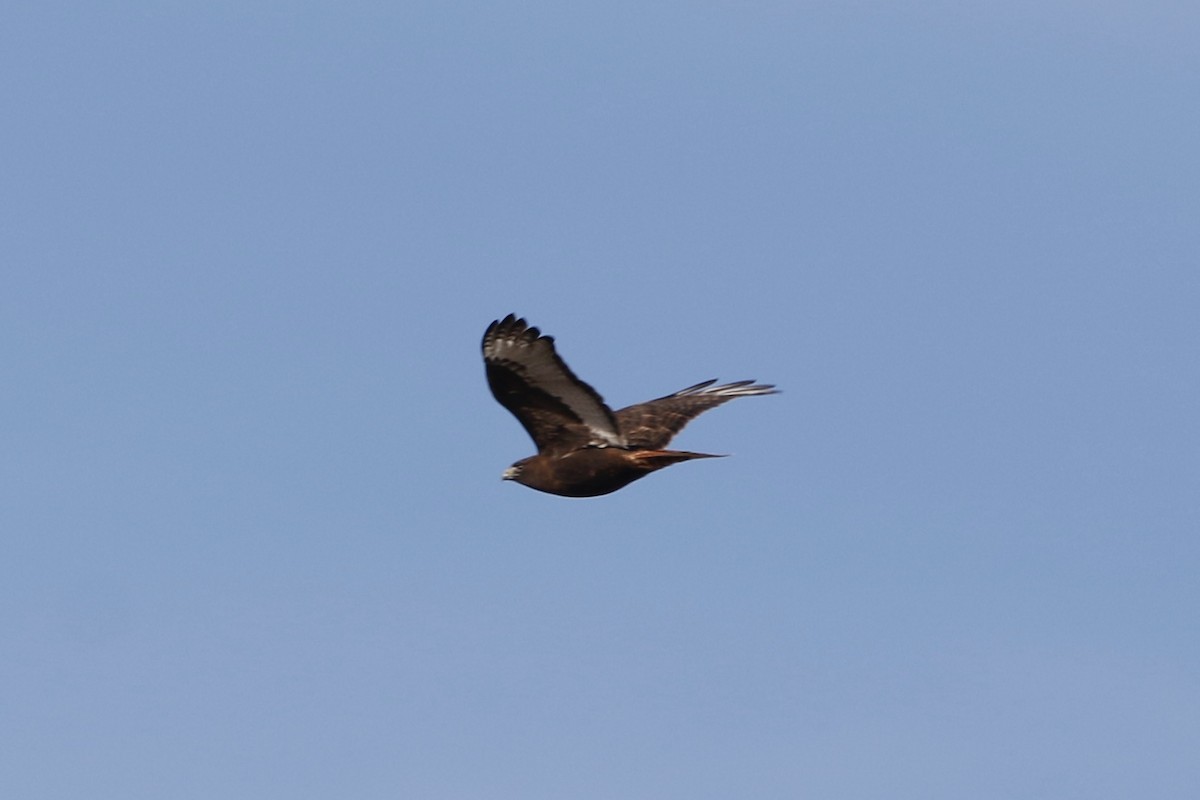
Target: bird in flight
point(584, 448)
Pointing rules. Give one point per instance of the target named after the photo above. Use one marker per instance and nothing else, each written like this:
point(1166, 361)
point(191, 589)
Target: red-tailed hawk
point(584, 449)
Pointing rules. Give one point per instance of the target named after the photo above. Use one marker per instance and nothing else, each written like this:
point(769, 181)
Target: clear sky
point(255, 542)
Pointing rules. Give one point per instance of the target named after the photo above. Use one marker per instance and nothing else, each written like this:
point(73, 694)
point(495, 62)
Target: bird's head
point(515, 472)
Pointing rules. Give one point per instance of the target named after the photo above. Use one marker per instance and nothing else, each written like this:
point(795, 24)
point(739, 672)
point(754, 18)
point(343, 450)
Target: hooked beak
point(509, 474)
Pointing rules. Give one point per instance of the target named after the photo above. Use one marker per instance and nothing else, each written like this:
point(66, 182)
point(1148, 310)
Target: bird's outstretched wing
point(560, 412)
point(651, 425)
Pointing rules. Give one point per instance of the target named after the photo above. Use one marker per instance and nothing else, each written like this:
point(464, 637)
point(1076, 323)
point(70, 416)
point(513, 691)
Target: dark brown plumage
point(584, 449)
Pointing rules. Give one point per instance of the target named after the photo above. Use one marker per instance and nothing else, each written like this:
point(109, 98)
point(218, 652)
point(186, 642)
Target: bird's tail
point(657, 459)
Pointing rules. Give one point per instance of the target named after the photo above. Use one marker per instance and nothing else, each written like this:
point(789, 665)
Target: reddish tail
point(657, 459)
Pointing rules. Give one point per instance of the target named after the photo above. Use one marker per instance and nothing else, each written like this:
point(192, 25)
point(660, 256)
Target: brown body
point(593, 471)
point(584, 448)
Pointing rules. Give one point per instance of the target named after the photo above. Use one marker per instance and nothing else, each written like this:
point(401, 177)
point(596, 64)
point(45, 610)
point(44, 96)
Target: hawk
point(584, 448)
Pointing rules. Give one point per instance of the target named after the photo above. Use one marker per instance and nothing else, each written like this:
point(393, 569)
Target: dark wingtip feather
point(747, 388)
point(512, 327)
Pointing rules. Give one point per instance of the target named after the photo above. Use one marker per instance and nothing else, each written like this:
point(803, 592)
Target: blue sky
point(255, 541)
